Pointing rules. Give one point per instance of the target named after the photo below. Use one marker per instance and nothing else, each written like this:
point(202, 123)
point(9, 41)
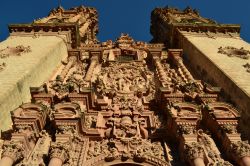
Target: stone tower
point(113, 103)
point(214, 52)
point(32, 48)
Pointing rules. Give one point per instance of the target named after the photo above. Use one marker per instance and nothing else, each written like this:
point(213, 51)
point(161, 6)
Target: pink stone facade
point(123, 102)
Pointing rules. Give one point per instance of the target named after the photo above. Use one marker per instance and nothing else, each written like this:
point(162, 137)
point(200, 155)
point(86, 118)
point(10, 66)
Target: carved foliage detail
point(193, 150)
point(240, 149)
point(60, 150)
point(14, 150)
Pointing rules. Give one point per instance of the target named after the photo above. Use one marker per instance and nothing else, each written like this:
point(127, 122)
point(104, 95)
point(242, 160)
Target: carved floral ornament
point(232, 51)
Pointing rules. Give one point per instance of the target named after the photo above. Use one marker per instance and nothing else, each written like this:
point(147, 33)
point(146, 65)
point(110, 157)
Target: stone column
point(240, 151)
point(194, 154)
point(245, 161)
point(55, 162)
point(165, 80)
point(92, 66)
point(6, 161)
point(183, 71)
point(12, 152)
point(65, 71)
point(59, 153)
point(198, 162)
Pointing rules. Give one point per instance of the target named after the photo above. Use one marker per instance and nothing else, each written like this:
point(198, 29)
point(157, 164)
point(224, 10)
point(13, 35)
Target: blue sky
point(129, 16)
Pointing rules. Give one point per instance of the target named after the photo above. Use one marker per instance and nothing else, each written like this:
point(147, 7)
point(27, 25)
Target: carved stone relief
point(60, 150)
point(124, 112)
point(90, 121)
point(14, 51)
point(73, 82)
point(136, 149)
point(240, 149)
point(193, 150)
point(232, 51)
point(125, 79)
point(14, 150)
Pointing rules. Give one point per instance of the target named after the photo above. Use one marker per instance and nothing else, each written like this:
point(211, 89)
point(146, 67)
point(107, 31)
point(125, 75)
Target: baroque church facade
point(69, 100)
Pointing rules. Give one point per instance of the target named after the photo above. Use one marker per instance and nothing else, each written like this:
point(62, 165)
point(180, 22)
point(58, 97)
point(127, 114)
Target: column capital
point(193, 150)
point(13, 150)
point(60, 150)
point(240, 149)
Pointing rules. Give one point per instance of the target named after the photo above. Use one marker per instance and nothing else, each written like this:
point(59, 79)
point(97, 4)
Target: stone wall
point(27, 69)
point(201, 54)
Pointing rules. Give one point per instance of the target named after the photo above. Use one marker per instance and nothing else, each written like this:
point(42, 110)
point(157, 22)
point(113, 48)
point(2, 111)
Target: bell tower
point(214, 52)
